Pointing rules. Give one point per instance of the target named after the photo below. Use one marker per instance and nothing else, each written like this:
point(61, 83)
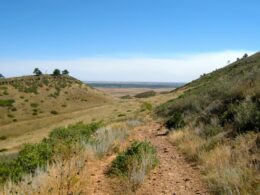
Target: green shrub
point(74, 132)
point(133, 156)
point(126, 97)
point(32, 89)
point(3, 149)
point(6, 103)
point(146, 94)
point(146, 106)
point(247, 117)
point(34, 105)
point(45, 81)
point(121, 115)
point(34, 155)
point(54, 112)
point(210, 131)
point(175, 121)
point(31, 156)
point(3, 137)
point(10, 116)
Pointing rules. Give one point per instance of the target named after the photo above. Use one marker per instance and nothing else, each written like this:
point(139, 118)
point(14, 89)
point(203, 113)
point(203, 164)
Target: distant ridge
point(118, 84)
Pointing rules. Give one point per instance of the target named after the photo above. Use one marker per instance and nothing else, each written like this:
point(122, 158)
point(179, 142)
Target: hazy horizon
point(181, 68)
point(131, 40)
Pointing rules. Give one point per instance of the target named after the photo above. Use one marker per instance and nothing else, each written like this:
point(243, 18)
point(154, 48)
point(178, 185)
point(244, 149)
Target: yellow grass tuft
point(62, 177)
point(231, 167)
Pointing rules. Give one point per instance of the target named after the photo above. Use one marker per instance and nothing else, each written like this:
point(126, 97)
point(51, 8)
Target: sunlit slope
point(32, 97)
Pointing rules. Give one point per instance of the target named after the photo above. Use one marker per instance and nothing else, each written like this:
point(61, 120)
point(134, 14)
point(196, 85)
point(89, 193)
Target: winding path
point(173, 176)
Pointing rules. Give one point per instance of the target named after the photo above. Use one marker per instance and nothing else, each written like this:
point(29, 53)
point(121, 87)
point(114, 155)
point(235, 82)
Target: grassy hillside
point(219, 120)
point(32, 97)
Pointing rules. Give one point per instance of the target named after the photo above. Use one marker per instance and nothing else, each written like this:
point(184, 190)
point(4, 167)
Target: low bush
point(33, 88)
point(34, 105)
point(3, 137)
point(3, 149)
point(146, 106)
point(6, 103)
point(74, 132)
point(210, 131)
point(135, 163)
point(61, 142)
point(10, 116)
point(126, 97)
point(247, 117)
point(121, 115)
point(175, 121)
point(54, 112)
point(146, 94)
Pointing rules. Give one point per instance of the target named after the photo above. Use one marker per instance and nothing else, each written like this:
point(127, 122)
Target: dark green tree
point(65, 72)
point(245, 55)
point(37, 72)
point(1, 76)
point(56, 72)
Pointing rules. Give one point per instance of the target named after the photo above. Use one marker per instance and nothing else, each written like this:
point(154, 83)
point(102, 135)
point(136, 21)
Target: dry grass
point(188, 143)
point(138, 171)
point(132, 165)
point(229, 167)
point(136, 175)
point(106, 139)
point(62, 177)
point(67, 175)
point(76, 96)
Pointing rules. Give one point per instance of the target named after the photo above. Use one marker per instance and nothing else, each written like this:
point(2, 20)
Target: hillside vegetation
point(33, 97)
point(216, 123)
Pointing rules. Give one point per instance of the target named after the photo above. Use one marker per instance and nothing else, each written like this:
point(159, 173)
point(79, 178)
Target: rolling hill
point(34, 97)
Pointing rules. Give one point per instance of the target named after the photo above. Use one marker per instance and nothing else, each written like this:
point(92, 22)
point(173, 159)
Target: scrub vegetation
point(216, 123)
point(134, 163)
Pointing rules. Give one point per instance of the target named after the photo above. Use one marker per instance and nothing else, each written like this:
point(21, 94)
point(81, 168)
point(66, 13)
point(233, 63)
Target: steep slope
point(222, 94)
point(217, 122)
point(34, 97)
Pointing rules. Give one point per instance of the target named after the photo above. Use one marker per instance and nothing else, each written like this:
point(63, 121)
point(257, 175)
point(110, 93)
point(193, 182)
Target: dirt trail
point(173, 176)
point(99, 183)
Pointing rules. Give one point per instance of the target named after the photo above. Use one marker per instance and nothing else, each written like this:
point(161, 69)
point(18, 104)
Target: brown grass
point(229, 167)
point(69, 174)
point(62, 177)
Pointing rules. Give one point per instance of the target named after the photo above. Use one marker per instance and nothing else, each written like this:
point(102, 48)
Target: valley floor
point(34, 130)
point(173, 175)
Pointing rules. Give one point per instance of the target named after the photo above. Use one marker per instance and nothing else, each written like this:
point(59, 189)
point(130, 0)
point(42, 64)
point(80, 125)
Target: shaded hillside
point(31, 97)
point(216, 123)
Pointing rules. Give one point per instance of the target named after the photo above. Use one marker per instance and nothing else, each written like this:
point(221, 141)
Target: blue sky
point(41, 32)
